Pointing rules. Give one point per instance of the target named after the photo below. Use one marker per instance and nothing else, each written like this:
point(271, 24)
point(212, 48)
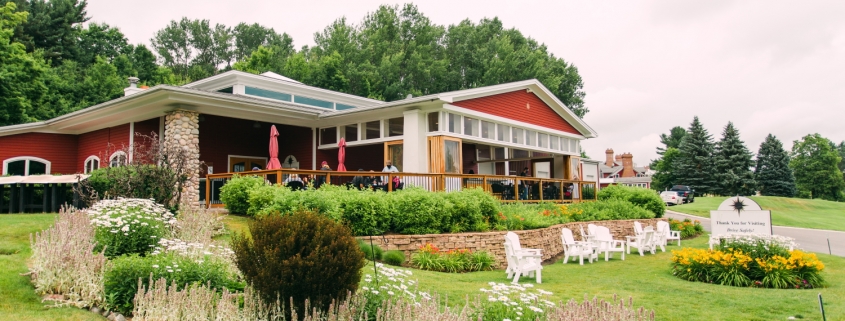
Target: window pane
point(530, 138)
point(554, 142)
point(564, 144)
point(573, 145)
point(313, 102)
point(483, 152)
point(433, 122)
point(266, 93)
point(453, 156)
point(518, 153)
point(372, 130)
point(350, 132)
point(499, 152)
point(328, 135)
point(228, 90)
point(17, 168)
point(454, 123)
point(395, 153)
point(503, 132)
point(470, 126)
point(543, 140)
point(118, 160)
point(343, 107)
point(394, 127)
point(488, 129)
point(518, 136)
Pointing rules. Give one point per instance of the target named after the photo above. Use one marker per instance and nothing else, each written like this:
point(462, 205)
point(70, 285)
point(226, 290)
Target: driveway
point(808, 239)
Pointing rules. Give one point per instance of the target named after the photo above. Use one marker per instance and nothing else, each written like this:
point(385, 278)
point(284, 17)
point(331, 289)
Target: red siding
point(147, 127)
point(101, 143)
point(222, 136)
point(521, 106)
point(59, 149)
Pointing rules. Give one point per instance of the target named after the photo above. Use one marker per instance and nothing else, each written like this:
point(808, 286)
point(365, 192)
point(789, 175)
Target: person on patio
point(374, 181)
point(292, 178)
point(388, 168)
point(321, 179)
point(360, 182)
point(523, 185)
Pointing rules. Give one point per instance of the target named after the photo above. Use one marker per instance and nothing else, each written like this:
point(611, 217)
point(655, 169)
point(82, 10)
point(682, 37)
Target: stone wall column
point(182, 132)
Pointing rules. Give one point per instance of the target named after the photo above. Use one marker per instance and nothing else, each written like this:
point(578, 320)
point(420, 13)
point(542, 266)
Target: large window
point(117, 159)
point(518, 136)
point(371, 130)
point(91, 164)
point(26, 165)
point(470, 126)
point(394, 127)
point(433, 121)
point(267, 93)
point(488, 130)
point(350, 132)
point(328, 135)
point(452, 153)
point(503, 133)
point(454, 123)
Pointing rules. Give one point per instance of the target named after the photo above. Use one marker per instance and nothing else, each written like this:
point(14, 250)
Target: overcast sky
point(769, 66)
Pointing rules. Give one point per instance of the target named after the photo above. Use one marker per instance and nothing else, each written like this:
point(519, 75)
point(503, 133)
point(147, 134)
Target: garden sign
point(740, 215)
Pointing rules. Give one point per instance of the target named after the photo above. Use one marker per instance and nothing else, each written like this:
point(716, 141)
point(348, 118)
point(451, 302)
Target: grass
point(234, 224)
point(647, 279)
point(17, 296)
point(796, 212)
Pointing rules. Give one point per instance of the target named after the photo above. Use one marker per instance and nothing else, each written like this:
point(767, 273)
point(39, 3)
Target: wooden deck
point(505, 188)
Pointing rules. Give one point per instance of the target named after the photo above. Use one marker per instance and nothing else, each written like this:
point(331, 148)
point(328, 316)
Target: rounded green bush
point(372, 253)
point(394, 257)
point(299, 257)
point(235, 194)
point(642, 197)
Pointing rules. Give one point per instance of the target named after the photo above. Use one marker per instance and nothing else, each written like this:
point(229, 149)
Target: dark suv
point(687, 192)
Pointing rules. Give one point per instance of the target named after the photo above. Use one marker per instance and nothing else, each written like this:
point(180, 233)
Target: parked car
point(687, 192)
point(672, 197)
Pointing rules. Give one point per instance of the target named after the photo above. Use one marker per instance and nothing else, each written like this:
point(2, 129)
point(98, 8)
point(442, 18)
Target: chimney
point(608, 157)
point(627, 165)
point(133, 87)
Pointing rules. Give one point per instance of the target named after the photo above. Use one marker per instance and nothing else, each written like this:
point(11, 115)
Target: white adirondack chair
point(668, 234)
point(591, 228)
point(572, 248)
point(605, 243)
point(644, 242)
point(638, 228)
point(584, 236)
point(521, 261)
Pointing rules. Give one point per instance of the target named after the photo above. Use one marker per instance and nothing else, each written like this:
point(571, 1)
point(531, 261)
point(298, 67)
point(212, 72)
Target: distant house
point(621, 170)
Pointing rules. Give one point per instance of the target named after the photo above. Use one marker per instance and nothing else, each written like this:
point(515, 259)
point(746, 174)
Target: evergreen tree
point(695, 162)
point(52, 27)
point(773, 175)
point(733, 165)
point(815, 164)
point(673, 140)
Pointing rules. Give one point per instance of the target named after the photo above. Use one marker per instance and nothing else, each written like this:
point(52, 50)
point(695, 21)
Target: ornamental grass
point(757, 261)
point(64, 261)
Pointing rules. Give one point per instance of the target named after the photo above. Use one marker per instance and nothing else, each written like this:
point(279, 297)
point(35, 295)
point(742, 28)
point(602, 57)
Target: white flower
point(155, 266)
point(390, 292)
point(503, 298)
point(375, 291)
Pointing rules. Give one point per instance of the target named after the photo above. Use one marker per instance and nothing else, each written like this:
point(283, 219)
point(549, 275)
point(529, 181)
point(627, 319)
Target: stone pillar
point(182, 132)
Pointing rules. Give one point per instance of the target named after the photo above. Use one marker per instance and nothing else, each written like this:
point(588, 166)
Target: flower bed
point(758, 261)
point(688, 228)
point(429, 257)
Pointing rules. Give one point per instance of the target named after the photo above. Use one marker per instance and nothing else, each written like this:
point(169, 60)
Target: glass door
point(394, 152)
point(244, 164)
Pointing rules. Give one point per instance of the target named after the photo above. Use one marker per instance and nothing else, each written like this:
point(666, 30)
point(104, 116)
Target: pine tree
point(733, 165)
point(774, 177)
point(695, 162)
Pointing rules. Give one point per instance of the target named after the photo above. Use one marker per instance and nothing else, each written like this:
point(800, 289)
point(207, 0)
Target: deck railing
point(505, 188)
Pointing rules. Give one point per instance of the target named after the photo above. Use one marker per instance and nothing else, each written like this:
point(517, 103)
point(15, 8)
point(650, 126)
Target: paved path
point(808, 239)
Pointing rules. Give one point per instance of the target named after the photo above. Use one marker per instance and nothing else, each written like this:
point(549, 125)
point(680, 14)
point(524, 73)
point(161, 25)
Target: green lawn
point(647, 279)
point(797, 212)
point(18, 301)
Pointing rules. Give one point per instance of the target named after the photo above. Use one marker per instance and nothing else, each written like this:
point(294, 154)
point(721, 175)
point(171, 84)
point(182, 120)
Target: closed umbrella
point(274, 149)
point(341, 155)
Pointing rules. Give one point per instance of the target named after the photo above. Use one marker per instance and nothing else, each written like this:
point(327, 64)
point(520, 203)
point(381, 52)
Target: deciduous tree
point(815, 164)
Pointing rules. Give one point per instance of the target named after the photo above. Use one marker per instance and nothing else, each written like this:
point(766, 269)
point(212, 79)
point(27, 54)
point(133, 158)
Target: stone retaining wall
point(547, 239)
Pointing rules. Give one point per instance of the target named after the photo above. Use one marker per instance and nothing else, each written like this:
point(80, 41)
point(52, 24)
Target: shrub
point(299, 256)
point(759, 261)
point(367, 213)
point(687, 227)
point(642, 197)
point(608, 209)
point(235, 194)
point(64, 261)
point(472, 209)
point(129, 226)
point(395, 257)
point(417, 211)
point(122, 279)
point(372, 253)
point(429, 257)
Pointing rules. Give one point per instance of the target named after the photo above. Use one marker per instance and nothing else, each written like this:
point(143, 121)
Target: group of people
point(360, 181)
point(548, 188)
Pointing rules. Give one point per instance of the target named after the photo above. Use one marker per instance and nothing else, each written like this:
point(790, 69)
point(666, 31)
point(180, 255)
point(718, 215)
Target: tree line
point(50, 64)
point(815, 167)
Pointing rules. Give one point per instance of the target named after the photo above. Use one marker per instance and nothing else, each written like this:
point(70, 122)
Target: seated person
point(360, 182)
point(292, 178)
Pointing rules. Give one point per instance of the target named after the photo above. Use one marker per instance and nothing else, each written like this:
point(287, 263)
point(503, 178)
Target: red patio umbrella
point(274, 149)
point(341, 155)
